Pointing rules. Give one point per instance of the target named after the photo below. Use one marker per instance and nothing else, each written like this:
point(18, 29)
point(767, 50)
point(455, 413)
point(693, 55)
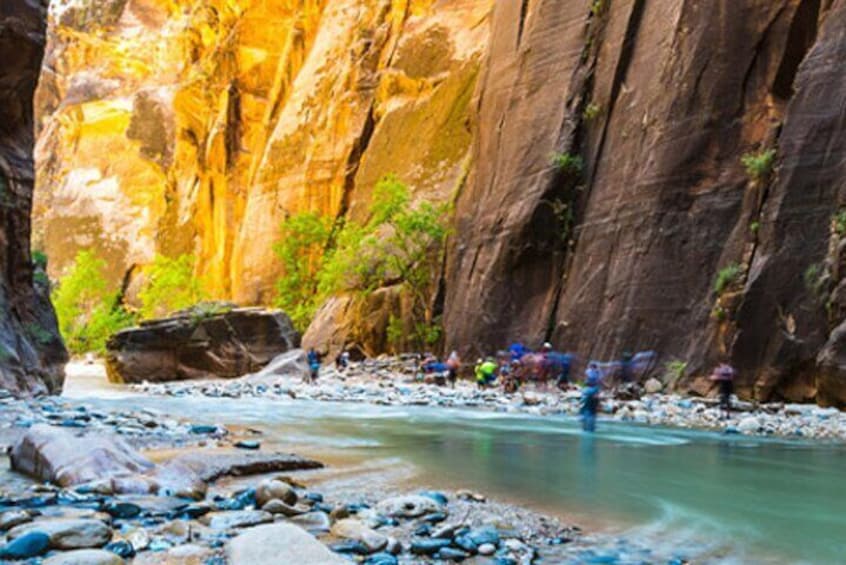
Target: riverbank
point(224, 523)
point(395, 383)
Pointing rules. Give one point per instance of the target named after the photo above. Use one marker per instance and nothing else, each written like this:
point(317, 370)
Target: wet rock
point(279, 543)
point(247, 444)
point(483, 536)
point(55, 455)
point(353, 529)
point(438, 497)
point(313, 522)
point(428, 546)
point(221, 345)
point(85, 557)
point(29, 544)
point(275, 506)
point(381, 559)
point(122, 510)
point(451, 554)
point(409, 506)
point(273, 489)
point(748, 425)
point(121, 548)
point(353, 547)
point(12, 518)
point(236, 519)
point(68, 533)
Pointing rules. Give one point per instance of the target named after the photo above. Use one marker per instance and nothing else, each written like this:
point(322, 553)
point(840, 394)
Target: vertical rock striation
point(31, 353)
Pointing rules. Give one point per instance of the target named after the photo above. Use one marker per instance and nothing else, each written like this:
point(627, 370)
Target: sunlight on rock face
point(196, 126)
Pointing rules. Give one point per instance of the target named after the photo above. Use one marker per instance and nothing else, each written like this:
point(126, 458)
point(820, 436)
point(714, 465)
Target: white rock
point(749, 425)
point(279, 543)
point(350, 528)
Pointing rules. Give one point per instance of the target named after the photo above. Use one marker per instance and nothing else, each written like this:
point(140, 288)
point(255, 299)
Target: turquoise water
point(702, 496)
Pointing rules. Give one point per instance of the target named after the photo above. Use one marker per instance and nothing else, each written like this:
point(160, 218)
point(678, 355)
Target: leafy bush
point(39, 260)
point(169, 285)
point(839, 221)
point(726, 277)
point(759, 165)
point(400, 244)
point(569, 164)
point(88, 311)
point(303, 240)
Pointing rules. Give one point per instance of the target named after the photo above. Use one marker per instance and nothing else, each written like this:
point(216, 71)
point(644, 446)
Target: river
point(694, 495)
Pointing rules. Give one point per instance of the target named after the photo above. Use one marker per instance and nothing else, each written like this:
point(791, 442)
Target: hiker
point(313, 365)
point(724, 375)
point(590, 397)
point(517, 351)
point(627, 367)
point(342, 360)
point(485, 372)
point(453, 363)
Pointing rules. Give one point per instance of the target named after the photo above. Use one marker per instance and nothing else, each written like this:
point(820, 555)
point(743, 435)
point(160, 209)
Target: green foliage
point(815, 278)
point(169, 285)
point(208, 309)
point(839, 221)
point(569, 164)
point(400, 244)
point(39, 259)
point(726, 277)
point(675, 370)
point(597, 7)
point(591, 111)
point(87, 309)
point(303, 240)
point(759, 165)
point(754, 226)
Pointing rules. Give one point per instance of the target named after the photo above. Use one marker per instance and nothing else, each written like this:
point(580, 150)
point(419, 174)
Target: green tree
point(169, 285)
point(88, 310)
point(301, 250)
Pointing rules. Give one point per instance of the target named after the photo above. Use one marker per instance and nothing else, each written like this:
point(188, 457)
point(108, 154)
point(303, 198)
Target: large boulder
point(279, 543)
point(58, 456)
point(195, 345)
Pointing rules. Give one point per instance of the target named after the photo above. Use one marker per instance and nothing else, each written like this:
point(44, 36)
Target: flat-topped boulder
point(201, 343)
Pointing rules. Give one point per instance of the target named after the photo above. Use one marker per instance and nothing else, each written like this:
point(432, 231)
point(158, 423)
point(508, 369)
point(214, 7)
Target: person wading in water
point(590, 398)
point(724, 376)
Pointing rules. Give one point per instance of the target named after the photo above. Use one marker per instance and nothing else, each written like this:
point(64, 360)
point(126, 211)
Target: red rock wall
point(661, 99)
point(31, 354)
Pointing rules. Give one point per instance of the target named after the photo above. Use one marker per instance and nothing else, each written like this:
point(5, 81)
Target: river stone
point(12, 518)
point(428, 546)
point(269, 489)
point(68, 533)
point(487, 549)
point(313, 522)
point(653, 386)
point(749, 425)
point(236, 519)
point(409, 506)
point(275, 506)
point(30, 544)
point(121, 548)
point(55, 455)
point(84, 557)
point(279, 543)
point(353, 529)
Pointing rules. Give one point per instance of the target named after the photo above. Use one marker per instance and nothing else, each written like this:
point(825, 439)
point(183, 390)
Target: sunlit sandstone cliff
point(196, 126)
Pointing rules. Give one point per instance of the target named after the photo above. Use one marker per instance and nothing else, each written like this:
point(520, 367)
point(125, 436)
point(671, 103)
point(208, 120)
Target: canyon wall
point(198, 126)
point(594, 149)
point(661, 99)
point(31, 353)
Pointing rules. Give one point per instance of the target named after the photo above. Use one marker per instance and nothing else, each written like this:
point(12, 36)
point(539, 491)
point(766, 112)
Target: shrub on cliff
point(88, 311)
point(169, 285)
point(401, 244)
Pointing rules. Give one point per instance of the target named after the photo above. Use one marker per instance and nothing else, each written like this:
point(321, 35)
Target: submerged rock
point(29, 544)
point(197, 345)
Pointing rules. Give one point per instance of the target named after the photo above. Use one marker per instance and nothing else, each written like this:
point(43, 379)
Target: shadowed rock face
point(192, 346)
point(661, 99)
point(32, 355)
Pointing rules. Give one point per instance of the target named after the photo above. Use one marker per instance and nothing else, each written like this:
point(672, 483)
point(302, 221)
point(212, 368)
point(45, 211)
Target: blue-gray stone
point(451, 554)
point(31, 544)
point(481, 536)
point(428, 546)
point(121, 548)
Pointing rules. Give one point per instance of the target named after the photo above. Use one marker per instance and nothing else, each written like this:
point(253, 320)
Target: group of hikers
point(519, 365)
